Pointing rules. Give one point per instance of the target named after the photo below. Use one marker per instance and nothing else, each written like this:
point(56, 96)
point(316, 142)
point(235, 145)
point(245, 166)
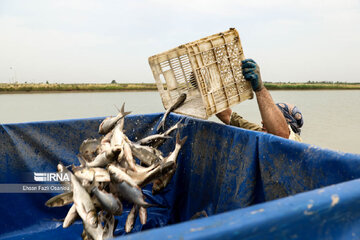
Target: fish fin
point(161, 124)
point(122, 108)
point(126, 113)
point(182, 141)
point(176, 126)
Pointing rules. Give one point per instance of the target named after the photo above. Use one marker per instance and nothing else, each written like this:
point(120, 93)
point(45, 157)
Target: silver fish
point(130, 220)
point(85, 174)
point(60, 200)
point(180, 100)
point(131, 194)
point(145, 177)
point(109, 225)
point(179, 143)
point(128, 156)
point(89, 149)
point(71, 216)
point(95, 233)
point(83, 203)
point(110, 122)
point(104, 158)
point(118, 175)
point(157, 139)
point(120, 140)
point(163, 181)
point(101, 175)
point(146, 154)
point(105, 143)
point(108, 201)
point(142, 215)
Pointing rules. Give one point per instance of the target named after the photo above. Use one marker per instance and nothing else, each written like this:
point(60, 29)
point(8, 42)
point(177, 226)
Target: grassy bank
point(43, 87)
point(48, 87)
point(311, 86)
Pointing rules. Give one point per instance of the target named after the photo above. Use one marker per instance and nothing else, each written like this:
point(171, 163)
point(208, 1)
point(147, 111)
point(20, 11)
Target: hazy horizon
point(88, 41)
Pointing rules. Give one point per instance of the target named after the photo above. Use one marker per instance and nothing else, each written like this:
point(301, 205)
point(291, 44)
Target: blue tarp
point(252, 185)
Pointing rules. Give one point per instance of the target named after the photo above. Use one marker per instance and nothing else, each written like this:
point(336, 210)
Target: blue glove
point(251, 72)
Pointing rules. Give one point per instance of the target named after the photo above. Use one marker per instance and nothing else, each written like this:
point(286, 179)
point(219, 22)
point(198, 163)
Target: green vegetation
point(113, 86)
point(311, 86)
point(40, 87)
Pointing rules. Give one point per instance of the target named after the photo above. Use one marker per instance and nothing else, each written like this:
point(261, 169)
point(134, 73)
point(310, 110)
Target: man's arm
point(225, 116)
point(273, 120)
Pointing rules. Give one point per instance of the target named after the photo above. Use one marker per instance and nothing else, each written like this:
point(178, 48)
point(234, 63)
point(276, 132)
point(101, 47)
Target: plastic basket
point(207, 70)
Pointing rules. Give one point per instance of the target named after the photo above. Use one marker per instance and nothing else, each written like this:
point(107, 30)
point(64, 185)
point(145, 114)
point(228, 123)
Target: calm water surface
point(331, 118)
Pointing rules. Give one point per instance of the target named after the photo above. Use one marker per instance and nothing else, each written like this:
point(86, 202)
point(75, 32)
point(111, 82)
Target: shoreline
point(74, 91)
point(7, 88)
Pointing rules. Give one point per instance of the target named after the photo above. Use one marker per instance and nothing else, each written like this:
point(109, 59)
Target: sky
point(88, 41)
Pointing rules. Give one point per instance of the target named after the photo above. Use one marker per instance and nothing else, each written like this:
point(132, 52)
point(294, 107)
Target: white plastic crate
point(207, 70)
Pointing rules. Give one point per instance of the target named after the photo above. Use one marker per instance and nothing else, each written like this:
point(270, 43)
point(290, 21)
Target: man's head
point(292, 115)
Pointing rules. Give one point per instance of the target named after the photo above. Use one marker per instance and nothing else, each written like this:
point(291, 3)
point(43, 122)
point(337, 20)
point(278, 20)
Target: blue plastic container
point(252, 185)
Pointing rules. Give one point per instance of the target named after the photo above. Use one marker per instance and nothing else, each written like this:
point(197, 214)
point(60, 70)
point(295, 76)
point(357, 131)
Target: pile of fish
point(109, 174)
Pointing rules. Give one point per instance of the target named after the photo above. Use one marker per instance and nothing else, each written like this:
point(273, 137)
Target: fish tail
point(182, 141)
point(122, 111)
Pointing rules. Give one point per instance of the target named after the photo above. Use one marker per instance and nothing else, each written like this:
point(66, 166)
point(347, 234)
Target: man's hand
point(251, 72)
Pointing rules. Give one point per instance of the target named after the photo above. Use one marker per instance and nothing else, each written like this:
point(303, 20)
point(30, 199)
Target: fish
point(83, 203)
point(118, 175)
point(120, 140)
point(145, 154)
point(179, 143)
point(108, 123)
point(101, 175)
point(142, 215)
point(71, 217)
point(128, 156)
point(60, 200)
point(92, 174)
point(131, 194)
point(108, 201)
point(89, 149)
point(105, 143)
point(104, 158)
point(91, 232)
point(131, 218)
point(108, 221)
point(85, 236)
point(180, 100)
point(157, 140)
point(163, 181)
point(85, 174)
point(145, 177)
point(108, 174)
